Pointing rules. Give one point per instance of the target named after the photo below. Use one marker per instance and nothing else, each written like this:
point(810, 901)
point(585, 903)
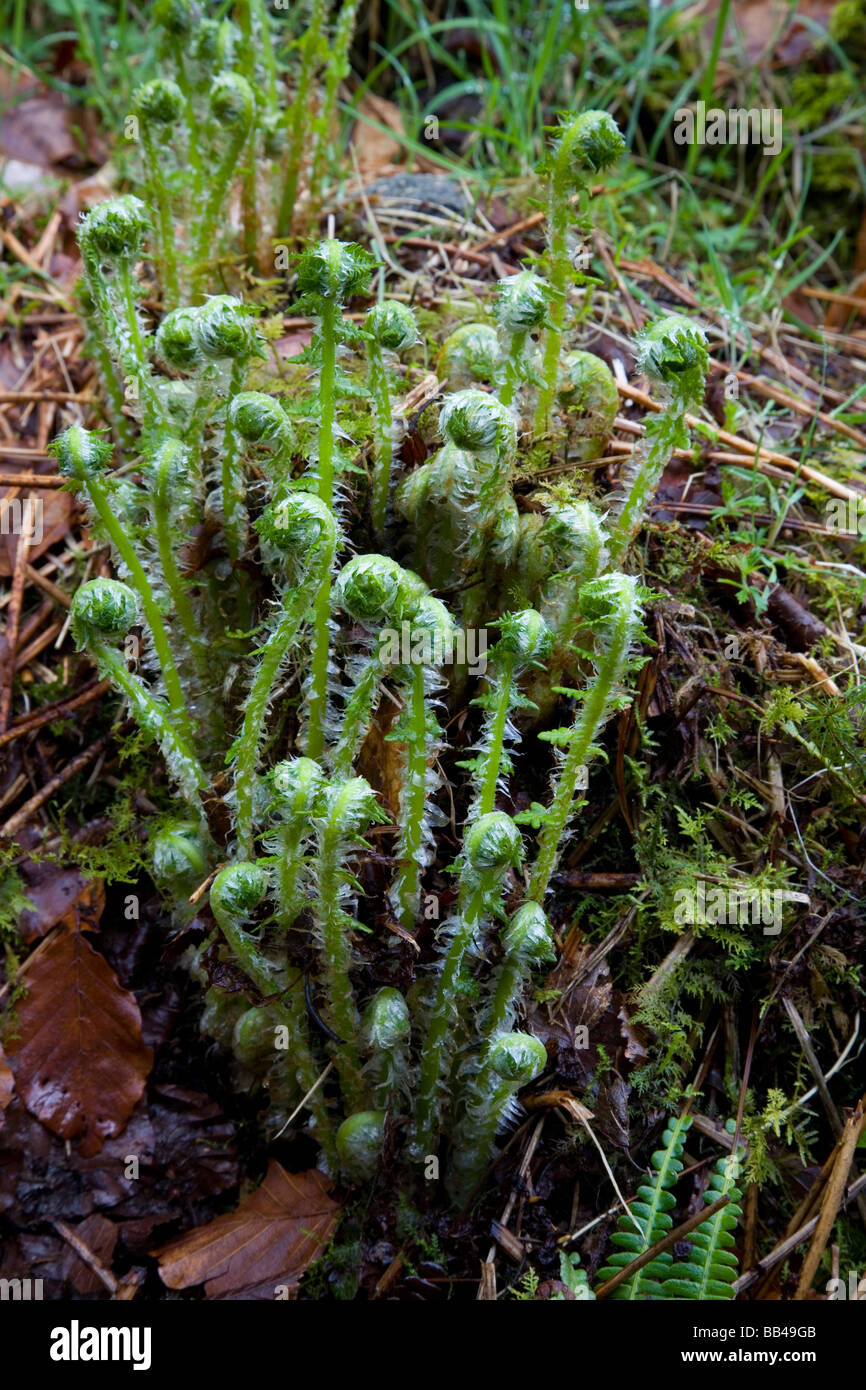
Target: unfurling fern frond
point(651, 1211)
point(711, 1268)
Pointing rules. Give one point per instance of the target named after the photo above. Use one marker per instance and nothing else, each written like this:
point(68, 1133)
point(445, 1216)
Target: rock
point(425, 193)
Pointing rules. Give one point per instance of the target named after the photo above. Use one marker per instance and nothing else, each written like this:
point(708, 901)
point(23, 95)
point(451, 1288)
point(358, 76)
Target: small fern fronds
point(651, 1211)
point(711, 1268)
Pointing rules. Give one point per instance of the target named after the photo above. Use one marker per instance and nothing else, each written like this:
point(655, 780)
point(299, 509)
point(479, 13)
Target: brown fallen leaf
point(274, 1235)
point(99, 1236)
point(293, 343)
point(380, 760)
point(375, 148)
point(79, 1060)
point(38, 130)
point(52, 510)
point(773, 30)
point(60, 896)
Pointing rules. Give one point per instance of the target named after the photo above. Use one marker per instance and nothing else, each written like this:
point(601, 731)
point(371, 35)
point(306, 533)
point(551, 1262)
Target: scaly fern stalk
point(673, 354)
point(158, 105)
point(226, 337)
point(344, 812)
point(562, 552)
point(432, 639)
point(254, 40)
point(168, 474)
point(709, 1271)
point(328, 274)
point(300, 113)
point(232, 108)
point(109, 375)
point(104, 610)
point(293, 1012)
point(111, 239)
point(491, 846)
point(82, 456)
point(385, 1031)
point(513, 1060)
point(337, 71)
point(392, 328)
point(588, 145)
point(178, 345)
point(460, 502)
point(302, 530)
point(297, 785)
point(520, 309)
point(377, 593)
point(650, 1211)
point(526, 640)
point(527, 943)
point(175, 18)
point(235, 894)
point(610, 606)
point(413, 730)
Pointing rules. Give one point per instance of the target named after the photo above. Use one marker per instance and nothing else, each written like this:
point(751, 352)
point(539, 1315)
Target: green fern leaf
point(711, 1268)
point(651, 1210)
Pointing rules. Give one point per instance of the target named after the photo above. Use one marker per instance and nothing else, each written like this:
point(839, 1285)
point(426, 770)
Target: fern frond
point(651, 1211)
point(712, 1267)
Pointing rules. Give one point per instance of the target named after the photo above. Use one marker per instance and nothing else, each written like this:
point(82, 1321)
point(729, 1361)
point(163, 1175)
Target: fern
point(712, 1267)
point(651, 1212)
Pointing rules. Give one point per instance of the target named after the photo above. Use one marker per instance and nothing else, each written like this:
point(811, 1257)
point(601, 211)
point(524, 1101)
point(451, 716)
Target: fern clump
point(304, 686)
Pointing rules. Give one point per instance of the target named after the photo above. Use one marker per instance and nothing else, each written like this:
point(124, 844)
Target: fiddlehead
point(673, 353)
point(525, 642)
point(491, 847)
point(610, 606)
point(588, 145)
point(512, 1062)
point(392, 328)
point(300, 530)
point(520, 309)
point(343, 813)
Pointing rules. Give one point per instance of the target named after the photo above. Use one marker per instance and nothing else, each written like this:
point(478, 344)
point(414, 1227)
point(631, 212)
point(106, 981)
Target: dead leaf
point(293, 343)
point(380, 760)
point(770, 29)
point(38, 130)
point(61, 896)
point(79, 1060)
point(52, 509)
point(100, 1236)
point(274, 1235)
point(375, 148)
